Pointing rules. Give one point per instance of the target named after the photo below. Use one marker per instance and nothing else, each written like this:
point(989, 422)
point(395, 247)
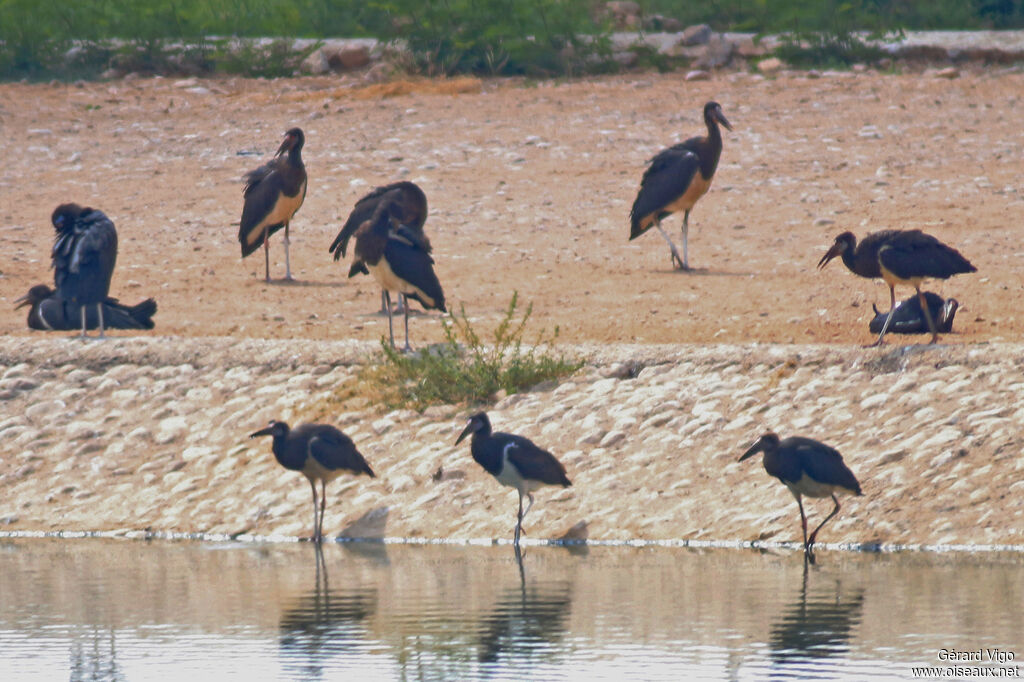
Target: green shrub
point(463, 369)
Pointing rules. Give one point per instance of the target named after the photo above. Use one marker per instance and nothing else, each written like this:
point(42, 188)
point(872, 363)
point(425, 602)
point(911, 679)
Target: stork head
point(65, 215)
point(844, 243)
point(36, 294)
point(274, 428)
point(769, 442)
point(713, 112)
point(478, 423)
point(293, 139)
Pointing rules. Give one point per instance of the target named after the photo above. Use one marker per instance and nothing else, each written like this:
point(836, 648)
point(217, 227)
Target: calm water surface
point(91, 609)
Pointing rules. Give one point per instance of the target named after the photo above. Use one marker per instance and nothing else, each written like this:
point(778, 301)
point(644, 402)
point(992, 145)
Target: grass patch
point(463, 369)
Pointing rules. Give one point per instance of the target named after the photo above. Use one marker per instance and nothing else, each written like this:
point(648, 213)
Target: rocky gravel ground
point(151, 433)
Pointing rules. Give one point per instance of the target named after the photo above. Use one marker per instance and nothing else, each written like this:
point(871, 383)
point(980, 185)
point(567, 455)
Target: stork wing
point(666, 180)
point(533, 462)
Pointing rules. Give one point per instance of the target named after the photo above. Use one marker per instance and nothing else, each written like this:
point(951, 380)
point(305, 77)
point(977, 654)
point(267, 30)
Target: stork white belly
point(698, 187)
point(510, 477)
point(387, 279)
point(808, 487)
point(282, 212)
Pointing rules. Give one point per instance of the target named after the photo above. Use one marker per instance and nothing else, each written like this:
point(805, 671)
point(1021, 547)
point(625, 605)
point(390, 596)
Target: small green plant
point(465, 370)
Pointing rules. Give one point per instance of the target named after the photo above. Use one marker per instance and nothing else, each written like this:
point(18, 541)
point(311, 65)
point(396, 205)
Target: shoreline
point(128, 435)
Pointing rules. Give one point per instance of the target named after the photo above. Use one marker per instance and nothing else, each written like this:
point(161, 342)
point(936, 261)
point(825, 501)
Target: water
point(92, 609)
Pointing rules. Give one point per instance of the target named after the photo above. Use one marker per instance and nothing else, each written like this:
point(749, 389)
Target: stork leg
point(316, 519)
point(519, 519)
point(266, 250)
point(676, 260)
point(287, 259)
point(82, 310)
point(323, 506)
point(835, 510)
point(387, 305)
point(892, 310)
point(686, 230)
point(803, 524)
point(99, 312)
point(383, 303)
point(405, 309)
point(928, 316)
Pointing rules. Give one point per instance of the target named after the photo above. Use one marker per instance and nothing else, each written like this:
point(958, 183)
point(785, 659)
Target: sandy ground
point(530, 185)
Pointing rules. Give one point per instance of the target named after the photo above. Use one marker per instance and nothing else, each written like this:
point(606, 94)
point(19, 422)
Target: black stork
point(899, 257)
point(909, 318)
point(273, 193)
point(676, 179)
point(806, 467)
point(319, 452)
point(49, 311)
point(84, 254)
point(514, 461)
point(399, 260)
point(409, 209)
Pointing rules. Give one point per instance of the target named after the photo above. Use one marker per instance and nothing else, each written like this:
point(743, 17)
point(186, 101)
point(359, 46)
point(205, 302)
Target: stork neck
point(709, 159)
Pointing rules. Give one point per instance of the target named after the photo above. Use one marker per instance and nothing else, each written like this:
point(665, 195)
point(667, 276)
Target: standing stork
point(84, 254)
point(809, 468)
point(514, 461)
point(899, 257)
point(409, 209)
point(319, 452)
point(273, 193)
point(399, 260)
point(676, 179)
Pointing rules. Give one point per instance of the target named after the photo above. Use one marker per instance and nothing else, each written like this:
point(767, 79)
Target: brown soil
point(530, 186)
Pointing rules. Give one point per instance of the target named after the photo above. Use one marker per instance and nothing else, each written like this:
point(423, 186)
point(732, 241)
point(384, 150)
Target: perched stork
point(809, 468)
point(899, 257)
point(399, 260)
point(514, 461)
point(409, 209)
point(84, 254)
point(676, 179)
point(273, 193)
point(319, 452)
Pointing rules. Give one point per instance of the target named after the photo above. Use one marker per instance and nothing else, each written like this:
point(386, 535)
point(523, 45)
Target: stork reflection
point(816, 626)
point(526, 622)
point(323, 623)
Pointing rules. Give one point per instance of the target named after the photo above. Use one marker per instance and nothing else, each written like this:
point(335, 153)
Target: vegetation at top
point(465, 368)
point(80, 38)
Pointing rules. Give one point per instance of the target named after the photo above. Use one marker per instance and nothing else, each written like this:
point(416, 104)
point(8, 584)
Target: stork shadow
point(815, 626)
point(322, 623)
point(302, 283)
point(704, 272)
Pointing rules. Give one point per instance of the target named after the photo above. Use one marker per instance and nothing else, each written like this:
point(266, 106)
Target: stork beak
point(289, 140)
point(465, 432)
point(754, 449)
point(721, 119)
point(836, 249)
point(22, 302)
point(269, 431)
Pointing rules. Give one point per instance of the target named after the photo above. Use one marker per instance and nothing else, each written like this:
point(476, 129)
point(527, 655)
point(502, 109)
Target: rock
point(170, 429)
point(697, 75)
point(717, 53)
point(949, 72)
point(348, 57)
point(770, 66)
point(315, 64)
point(624, 14)
point(699, 34)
